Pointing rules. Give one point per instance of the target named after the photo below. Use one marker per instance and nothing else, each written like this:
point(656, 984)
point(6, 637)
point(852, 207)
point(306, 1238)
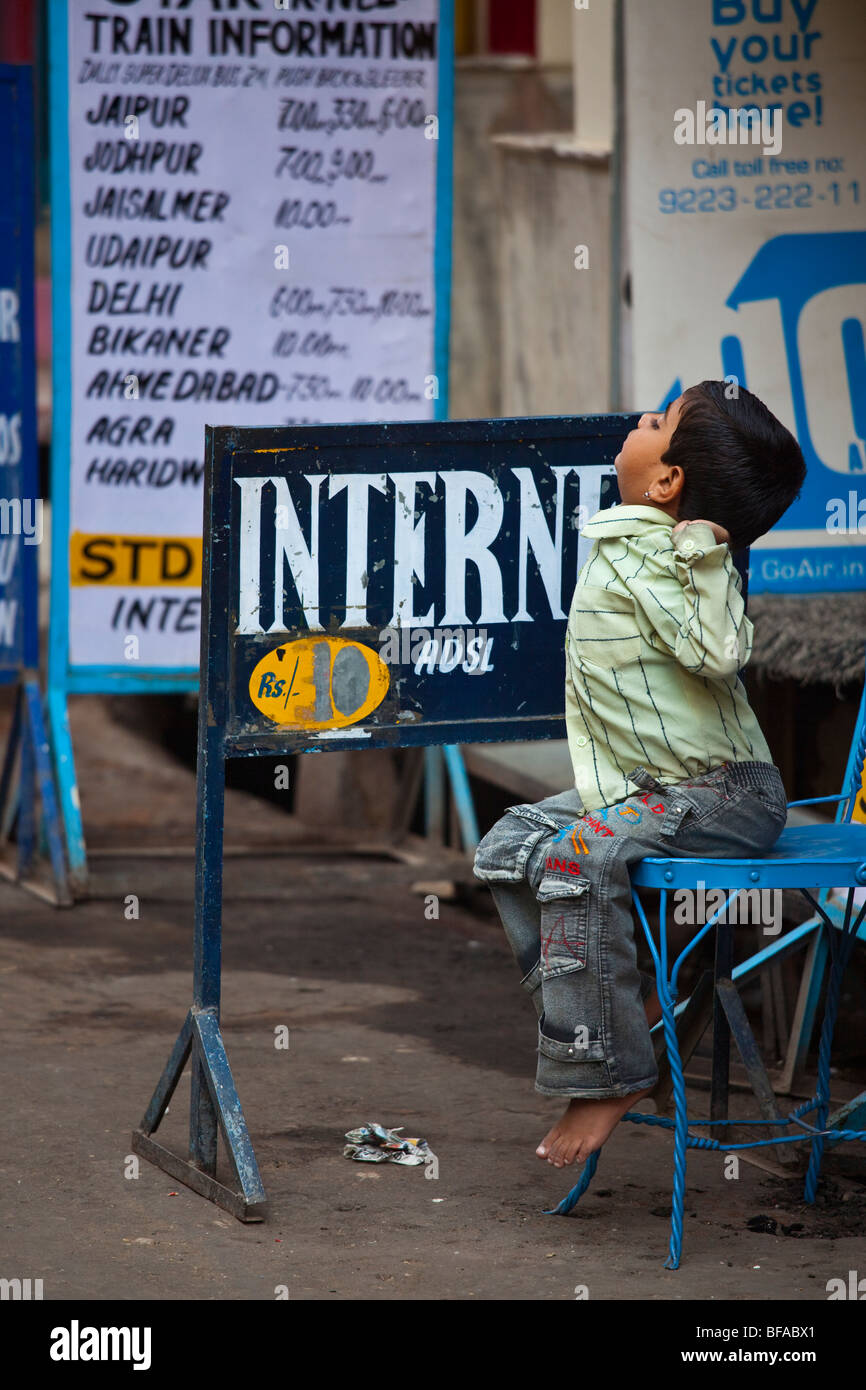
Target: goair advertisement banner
point(745, 208)
point(257, 205)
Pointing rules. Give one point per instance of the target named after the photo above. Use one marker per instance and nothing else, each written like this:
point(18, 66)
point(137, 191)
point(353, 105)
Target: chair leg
point(691, 1026)
point(721, 1032)
point(806, 1007)
point(840, 946)
point(573, 1197)
point(678, 1084)
point(726, 994)
point(681, 1125)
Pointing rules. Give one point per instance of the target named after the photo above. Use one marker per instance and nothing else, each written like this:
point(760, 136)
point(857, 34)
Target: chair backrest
point(852, 787)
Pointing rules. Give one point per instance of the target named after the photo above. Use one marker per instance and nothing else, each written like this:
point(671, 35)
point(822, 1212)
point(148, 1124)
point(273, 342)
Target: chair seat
point(804, 856)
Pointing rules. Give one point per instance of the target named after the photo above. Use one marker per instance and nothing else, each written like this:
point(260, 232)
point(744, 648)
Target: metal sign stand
point(214, 1101)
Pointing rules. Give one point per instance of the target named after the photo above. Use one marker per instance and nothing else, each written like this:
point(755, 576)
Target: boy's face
point(638, 464)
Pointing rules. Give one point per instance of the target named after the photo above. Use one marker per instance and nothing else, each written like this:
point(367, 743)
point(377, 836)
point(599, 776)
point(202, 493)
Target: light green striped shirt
point(656, 633)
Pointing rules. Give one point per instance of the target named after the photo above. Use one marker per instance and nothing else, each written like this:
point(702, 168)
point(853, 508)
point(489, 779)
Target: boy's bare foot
point(586, 1124)
point(584, 1127)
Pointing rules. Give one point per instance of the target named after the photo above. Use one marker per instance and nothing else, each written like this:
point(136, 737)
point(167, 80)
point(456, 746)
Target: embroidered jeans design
point(560, 879)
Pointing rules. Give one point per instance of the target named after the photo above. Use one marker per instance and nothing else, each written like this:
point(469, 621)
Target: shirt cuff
point(693, 542)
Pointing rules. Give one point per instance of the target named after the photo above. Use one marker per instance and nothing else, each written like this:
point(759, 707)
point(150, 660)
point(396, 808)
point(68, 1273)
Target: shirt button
point(581, 741)
point(688, 545)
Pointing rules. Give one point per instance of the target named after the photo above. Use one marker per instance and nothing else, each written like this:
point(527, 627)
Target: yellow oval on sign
point(319, 683)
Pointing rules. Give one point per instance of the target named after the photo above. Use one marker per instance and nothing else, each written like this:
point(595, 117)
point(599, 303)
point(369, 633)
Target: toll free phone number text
point(762, 196)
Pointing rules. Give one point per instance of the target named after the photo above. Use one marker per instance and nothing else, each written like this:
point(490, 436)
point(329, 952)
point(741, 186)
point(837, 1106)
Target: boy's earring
point(646, 494)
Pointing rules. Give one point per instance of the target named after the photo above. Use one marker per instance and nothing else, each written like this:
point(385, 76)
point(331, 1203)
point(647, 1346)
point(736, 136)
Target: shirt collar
point(620, 520)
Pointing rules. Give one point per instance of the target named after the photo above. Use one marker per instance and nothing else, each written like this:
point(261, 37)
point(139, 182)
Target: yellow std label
point(319, 683)
point(150, 561)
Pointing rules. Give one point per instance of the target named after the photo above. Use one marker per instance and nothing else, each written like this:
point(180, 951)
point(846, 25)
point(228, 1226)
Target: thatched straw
point(809, 638)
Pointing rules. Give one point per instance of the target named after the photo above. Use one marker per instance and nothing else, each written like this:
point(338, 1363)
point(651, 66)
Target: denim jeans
point(560, 880)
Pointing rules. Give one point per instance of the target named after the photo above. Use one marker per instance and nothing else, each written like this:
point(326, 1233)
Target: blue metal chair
point(814, 859)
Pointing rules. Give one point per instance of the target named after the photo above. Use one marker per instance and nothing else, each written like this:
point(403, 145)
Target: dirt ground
point(393, 1017)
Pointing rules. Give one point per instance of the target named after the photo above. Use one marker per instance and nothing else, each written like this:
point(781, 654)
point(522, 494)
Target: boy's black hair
point(742, 468)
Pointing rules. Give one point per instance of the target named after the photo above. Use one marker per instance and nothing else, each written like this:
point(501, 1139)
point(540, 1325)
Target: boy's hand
point(721, 535)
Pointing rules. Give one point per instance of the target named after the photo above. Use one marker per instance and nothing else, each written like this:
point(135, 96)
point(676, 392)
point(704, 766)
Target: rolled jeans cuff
point(578, 1081)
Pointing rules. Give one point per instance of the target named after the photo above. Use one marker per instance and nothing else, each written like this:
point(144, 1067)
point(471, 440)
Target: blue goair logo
point(810, 275)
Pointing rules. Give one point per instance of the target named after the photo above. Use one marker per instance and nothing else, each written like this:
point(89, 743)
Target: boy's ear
point(669, 486)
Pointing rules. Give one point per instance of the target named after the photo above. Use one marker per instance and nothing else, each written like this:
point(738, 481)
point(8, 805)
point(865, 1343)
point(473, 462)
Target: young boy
point(668, 757)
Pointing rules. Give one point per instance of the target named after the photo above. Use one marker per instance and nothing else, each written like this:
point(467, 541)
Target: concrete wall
point(553, 24)
point(531, 331)
point(491, 95)
point(555, 340)
point(592, 38)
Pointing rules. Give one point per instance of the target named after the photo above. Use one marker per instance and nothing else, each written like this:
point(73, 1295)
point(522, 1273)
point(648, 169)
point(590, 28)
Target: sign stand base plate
point(214, 1103)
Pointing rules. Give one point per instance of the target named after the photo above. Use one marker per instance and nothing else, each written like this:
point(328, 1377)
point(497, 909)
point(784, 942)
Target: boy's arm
point(698, 612)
